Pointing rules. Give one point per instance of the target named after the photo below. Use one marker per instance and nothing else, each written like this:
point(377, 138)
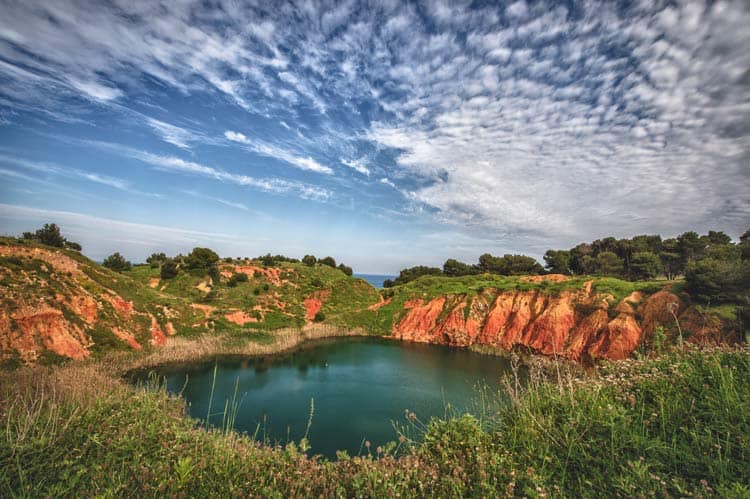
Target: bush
point(169, 269)
point(73, 246)
point(309, 260)
point(345, 269)
point(319, 317)
point(316, 282)
point(156, 259)
point(117, 262)
point(201, 258)
point(236, 279)
point(328, 261)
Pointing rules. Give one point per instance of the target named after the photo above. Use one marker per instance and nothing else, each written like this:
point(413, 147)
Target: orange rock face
point(127, 338)
point(158, 338)
point(314, 303)
point(43, 328)
point(572, 324)
point(123, 307)
point(240, 318)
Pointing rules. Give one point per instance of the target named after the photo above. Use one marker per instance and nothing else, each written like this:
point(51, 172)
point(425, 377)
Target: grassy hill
point(58, 303)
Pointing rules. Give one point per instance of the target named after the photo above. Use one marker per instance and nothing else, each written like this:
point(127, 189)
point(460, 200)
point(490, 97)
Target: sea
point(375, 279)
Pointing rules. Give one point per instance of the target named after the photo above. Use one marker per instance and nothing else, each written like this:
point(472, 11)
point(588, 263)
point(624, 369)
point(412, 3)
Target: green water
point(360, 387)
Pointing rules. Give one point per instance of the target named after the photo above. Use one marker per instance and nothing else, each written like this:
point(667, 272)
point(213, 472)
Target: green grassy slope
point(674, 427)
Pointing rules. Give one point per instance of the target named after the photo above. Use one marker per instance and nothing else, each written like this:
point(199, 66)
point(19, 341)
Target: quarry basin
point(349, 394)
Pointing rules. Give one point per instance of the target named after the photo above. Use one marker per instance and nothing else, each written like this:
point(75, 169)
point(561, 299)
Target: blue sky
point(386, 134)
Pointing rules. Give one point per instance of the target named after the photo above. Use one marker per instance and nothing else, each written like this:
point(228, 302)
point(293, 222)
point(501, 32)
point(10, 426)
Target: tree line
point(715, 268)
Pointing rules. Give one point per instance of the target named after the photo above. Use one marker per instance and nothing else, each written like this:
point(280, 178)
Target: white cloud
point(266, 149)
point(173, 163)
point(171, 133)
point(357, 165)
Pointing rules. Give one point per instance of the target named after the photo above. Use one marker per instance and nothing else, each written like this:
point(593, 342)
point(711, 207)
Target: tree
point(454, 268)
point(388, 283)
point(578, 263)
point(671, 258)
point(156, 259)
point(411, 273)
point(715, 281)
point(328, 261)
point(117, 262)
point(345, 269)
point(557, 261)
point(50, 235)
point(645, 265)
point(169, 269)
point(715, 238)
point(745, 245)
point(309, 260)
point(691, 246)
point(236, 279)
point(201, 259)
point(608, 263)
point(73, 246)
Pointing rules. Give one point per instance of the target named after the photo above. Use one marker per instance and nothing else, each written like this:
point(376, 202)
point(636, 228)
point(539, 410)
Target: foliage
point(345, 269)
point(169, 269)
point(236, 279)
point(201, 259)
point(608, 263)
point(309, 260)
point(674, 427)
point(117, 262)
point(73, 246)
point(50, 235)
point(328, 261)
point(454, 268)
point(319, 317)
point(557, 261)
point(412, 273)
point(645, 265)
point(719, 281)
point(509, 265)
point(156, 259)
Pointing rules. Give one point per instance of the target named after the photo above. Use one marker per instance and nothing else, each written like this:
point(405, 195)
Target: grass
point(674, 426)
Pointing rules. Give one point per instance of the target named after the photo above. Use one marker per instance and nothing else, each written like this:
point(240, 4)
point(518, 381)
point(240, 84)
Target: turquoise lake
point(359, 387)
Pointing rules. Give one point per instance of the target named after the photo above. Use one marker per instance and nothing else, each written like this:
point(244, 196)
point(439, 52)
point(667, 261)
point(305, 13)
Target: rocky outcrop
point(574, 323)
point(314, 303)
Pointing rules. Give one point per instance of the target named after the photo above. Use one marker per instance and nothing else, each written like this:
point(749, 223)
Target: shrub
point(309, 260)
point(316, 282)
point(319, 317)
point(328, 261)
point(117, 262)
point(236, 279)
point(345, 269)
point(169, 269)
point(156, 259)
point(201, 258)
point(73, 246)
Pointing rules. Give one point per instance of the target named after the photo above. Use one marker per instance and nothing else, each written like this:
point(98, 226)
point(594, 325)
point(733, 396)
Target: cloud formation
point(544, 123)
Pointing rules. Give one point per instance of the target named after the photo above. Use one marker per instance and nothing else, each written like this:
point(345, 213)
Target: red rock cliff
point(573, 323)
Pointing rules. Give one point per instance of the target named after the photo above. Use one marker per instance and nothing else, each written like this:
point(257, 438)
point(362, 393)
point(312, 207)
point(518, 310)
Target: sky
point(385, 134)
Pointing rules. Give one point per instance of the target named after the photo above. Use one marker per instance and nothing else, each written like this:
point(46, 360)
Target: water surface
point(375, 280)
point(359, 386)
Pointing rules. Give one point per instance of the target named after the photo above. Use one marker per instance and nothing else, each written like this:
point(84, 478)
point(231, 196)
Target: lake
point(359, 387)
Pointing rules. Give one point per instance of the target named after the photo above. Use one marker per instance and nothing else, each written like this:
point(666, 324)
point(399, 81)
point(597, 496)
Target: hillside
point(552, 315)
point(57, 304)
